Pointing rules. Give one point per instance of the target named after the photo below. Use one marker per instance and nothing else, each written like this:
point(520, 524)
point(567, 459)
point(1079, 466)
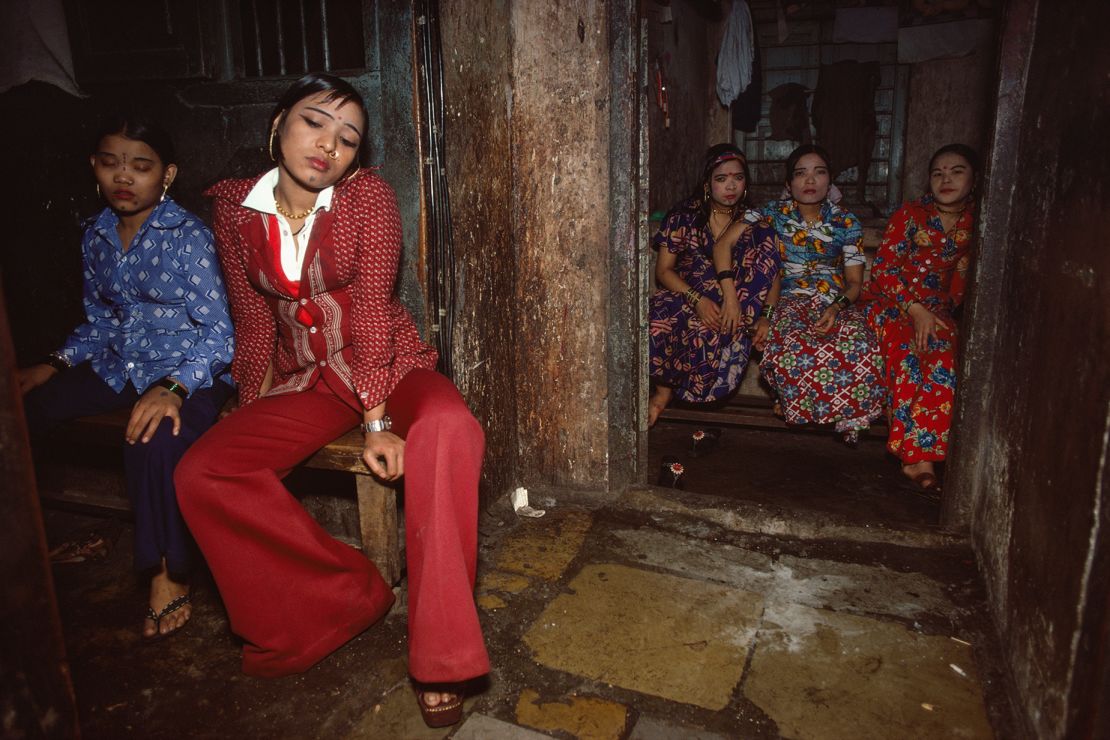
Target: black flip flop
point(168, 609)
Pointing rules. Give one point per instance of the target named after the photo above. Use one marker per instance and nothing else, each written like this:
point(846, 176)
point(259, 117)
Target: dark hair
point(314, 84)
point(804, 149)
point(710, 163)
point(141, 129)
point(962, 150)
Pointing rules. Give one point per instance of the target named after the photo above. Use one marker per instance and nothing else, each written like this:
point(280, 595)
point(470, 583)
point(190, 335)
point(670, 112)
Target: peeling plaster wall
point(1029, 469)
point(560, 140)
point(477, 54)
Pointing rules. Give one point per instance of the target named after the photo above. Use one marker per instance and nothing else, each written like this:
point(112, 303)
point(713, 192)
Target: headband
point(721, 158)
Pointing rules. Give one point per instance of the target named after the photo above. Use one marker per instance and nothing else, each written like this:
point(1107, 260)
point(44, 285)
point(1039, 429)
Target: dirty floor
point(657, 614)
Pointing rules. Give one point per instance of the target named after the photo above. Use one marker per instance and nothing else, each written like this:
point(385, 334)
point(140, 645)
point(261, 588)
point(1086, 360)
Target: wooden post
point(377, 518)
point(34, 674)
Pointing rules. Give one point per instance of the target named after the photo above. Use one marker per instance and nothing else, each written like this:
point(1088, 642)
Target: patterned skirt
point(700, 364)
point(833, 378)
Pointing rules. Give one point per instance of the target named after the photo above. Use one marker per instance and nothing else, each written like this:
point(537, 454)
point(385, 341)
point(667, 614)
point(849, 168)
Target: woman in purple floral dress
point(715, 268)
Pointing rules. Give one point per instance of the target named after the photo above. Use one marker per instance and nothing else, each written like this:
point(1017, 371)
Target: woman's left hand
point(384, 454)
point(825, 324)
point(156, 404)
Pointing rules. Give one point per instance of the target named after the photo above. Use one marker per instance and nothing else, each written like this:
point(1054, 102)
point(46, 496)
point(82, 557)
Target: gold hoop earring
point(98, 194)
point(705, 191)
point(270, 147)
point(165, 188)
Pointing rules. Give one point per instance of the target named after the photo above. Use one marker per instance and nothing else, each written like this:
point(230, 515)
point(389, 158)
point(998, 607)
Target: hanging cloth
point(734, 60)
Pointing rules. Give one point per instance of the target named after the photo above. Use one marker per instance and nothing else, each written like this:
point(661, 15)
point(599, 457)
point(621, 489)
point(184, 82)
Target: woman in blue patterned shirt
point(819, 356)
point(157, 339)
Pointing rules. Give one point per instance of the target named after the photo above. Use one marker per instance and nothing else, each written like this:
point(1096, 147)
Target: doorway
point(757, 458)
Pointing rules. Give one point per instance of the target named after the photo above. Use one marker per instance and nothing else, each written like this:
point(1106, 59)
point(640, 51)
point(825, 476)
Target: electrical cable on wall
point(440, 252)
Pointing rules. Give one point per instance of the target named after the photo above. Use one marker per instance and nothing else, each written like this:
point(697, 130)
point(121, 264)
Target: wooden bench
point(377, 502)
point(743, 410)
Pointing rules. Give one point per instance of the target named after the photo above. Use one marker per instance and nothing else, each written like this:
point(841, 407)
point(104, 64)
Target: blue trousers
point(160, 531)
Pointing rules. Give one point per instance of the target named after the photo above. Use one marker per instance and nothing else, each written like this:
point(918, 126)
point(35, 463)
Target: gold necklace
point(290, 215)
point(723, 229)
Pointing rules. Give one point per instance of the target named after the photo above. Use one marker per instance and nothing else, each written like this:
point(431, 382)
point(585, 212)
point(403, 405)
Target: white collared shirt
point(293, 248)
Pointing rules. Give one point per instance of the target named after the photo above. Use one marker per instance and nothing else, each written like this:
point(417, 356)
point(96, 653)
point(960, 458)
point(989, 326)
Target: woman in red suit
point(310, 252)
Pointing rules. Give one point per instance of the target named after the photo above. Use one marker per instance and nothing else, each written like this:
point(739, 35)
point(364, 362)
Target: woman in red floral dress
point(916, 283)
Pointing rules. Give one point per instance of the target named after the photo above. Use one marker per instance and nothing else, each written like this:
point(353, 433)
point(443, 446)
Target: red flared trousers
point(294, 593)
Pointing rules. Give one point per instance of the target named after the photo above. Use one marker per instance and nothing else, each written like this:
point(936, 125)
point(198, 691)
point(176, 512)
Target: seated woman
point(916, 282)
point(715, 270)
point(819, 356)
point(310, 252)
point(157, 339)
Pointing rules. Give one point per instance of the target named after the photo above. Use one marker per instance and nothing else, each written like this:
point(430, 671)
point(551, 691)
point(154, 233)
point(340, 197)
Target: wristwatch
point(383, 424)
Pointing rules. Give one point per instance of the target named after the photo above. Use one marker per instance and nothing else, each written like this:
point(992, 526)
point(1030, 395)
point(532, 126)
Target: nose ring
point(332, 154)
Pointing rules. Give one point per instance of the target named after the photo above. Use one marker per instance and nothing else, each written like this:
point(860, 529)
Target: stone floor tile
point(821, 674)
point(649, 728)
point(397, 715)
point(658, 634)
point(484, 727)
point(489, 602)
point(818, 583)
point(509, 583)
point(544, 547)
point(584, 717)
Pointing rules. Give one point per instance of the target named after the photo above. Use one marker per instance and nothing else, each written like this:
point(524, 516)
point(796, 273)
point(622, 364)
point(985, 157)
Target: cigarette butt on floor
point(962, 642)
point(957, 669)
point(927, 706)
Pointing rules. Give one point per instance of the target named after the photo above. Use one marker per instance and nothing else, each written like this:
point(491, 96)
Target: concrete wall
point(1028, 470)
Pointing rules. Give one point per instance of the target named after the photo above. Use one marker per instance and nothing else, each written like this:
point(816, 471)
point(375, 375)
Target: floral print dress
point(698, 363)
point(833, 378)
point(919, 262)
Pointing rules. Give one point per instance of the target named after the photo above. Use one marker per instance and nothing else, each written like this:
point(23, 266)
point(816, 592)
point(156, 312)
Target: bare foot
point(439, 708)
point(658, 401)
point(164, 590)
point(922, 473)
point(435, 698)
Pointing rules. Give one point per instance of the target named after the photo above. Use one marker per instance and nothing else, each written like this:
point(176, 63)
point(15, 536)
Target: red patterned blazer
point(356, 329)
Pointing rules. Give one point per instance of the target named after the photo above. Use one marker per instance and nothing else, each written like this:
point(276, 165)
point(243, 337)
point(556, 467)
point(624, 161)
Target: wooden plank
point(748, 411)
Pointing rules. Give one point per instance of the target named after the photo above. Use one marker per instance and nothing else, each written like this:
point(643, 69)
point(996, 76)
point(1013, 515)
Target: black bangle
point(842, 300)
point(726, 274)
point(174, 387)
point(57, 361)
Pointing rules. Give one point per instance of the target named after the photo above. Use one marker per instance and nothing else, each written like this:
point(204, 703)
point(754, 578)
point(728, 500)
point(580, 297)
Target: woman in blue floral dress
point(715, 269)
point(819, 355)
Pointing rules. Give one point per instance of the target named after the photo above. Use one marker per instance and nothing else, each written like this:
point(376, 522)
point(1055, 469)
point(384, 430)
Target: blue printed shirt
point(157, 309)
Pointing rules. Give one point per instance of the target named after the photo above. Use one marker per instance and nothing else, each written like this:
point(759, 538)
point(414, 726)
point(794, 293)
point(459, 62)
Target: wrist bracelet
point(768, 311)
point(692, 297)
point(842, 300)
point(726, 274)
point(383, 424)
point(174, 387)
point(57, 361)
